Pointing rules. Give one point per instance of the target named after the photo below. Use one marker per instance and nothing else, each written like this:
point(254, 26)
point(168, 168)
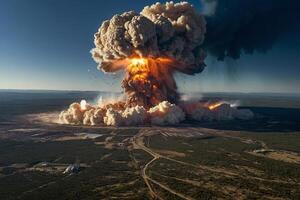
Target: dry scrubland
point(212, 160)
point(147, 163)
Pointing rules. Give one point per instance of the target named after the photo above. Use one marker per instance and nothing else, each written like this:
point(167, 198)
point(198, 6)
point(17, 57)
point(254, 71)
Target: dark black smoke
point(247, 26)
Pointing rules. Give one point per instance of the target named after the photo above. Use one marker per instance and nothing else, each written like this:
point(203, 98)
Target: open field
point(257, 159)
point(146, 163)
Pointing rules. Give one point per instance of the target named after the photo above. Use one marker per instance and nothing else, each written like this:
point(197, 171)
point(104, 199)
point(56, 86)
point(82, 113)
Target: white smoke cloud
point(73, 115)
point(129, 117)
point(162, 114)
point(166, 113)
point(134, 115)
point(94, 116)
point(112, 117)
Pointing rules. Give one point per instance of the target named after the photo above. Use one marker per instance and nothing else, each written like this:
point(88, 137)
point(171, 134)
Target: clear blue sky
point(45, 44)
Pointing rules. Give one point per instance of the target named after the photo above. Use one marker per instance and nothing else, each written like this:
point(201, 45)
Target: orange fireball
point(148, 81)
point(215, 105)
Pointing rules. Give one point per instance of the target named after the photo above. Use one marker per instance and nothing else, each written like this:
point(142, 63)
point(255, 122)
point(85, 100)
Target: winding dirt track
point(138, 141)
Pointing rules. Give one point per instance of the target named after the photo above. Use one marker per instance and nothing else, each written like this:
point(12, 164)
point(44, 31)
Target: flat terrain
point(146, 163)
point(257, 159)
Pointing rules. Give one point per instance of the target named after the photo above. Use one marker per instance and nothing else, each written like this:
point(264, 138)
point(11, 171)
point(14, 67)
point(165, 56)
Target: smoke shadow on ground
point(266, 120)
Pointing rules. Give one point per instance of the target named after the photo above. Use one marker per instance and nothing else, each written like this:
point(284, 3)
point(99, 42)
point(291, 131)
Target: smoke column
point(150, 46)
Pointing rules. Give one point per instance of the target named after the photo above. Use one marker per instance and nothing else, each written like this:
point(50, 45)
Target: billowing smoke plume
point(164, 113)
point(244, 26)
point(150, 47)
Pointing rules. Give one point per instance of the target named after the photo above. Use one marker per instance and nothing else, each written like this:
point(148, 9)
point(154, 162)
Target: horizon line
point(71, 90)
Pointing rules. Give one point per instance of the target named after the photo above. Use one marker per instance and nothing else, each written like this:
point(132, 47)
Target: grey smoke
point(173, 30)
point(235, 27)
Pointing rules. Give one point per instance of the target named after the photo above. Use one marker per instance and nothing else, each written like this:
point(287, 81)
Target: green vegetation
point(214, 165)
point(282, 141)
point(103, 177)
point(34, 152)
point(219, 166)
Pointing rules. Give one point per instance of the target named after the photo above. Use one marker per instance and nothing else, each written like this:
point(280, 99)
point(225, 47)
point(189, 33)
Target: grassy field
point(220, 166)
point(106, 172)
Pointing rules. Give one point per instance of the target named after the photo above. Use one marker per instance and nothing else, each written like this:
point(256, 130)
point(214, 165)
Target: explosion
point(148, 82)
point(215, 105)
point(83, 104)
point(149, 47)
point(215, 111)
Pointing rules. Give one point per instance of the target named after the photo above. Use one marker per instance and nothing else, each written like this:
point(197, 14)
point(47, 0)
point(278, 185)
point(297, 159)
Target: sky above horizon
point(45, 45)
